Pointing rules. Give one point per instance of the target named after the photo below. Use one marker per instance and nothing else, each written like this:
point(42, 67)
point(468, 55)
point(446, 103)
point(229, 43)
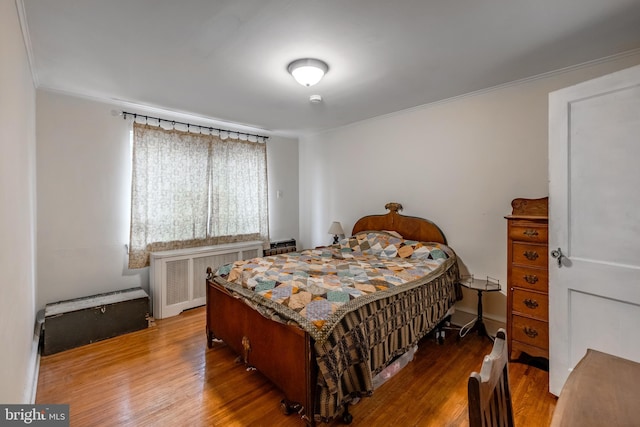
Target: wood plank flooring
point(166, 376)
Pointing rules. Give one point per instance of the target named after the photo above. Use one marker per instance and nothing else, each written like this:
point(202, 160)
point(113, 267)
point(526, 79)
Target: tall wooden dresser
point(527, 278)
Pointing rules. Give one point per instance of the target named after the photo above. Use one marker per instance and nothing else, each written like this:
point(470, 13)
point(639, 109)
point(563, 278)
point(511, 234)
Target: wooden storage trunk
point(81, 321)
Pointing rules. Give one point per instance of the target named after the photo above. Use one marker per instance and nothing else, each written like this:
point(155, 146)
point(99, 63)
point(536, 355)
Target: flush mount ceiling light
point(308, 71)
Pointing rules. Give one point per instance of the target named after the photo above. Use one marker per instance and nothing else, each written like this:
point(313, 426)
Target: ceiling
point(227, 59)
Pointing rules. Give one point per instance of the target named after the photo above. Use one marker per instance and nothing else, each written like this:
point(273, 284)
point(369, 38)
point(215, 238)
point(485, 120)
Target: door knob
point(557, 254)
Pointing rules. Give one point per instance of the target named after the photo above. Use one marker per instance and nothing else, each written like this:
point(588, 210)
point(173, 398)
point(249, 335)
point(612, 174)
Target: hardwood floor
point(166, 376)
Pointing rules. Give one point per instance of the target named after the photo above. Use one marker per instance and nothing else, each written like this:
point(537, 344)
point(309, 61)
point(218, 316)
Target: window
point(194, 190)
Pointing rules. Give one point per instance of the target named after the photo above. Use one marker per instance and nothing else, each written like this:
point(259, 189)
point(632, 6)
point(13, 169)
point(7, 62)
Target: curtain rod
point(189, 125)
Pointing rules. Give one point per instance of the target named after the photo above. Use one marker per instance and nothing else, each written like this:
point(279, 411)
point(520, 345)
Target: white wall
point(282, 171)
point(83, 189)
point(17, 211)
point(459, 163)
point(83, 163)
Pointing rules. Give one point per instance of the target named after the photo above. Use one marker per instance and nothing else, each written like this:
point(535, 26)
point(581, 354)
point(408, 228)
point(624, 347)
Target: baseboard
point(34, 362)
point(34, 370)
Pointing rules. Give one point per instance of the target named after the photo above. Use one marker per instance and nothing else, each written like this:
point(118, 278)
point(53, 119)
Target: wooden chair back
point(489, 393)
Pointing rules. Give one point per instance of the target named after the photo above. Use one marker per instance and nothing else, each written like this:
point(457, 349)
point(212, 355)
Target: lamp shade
point(308, 71)
point(336, 228)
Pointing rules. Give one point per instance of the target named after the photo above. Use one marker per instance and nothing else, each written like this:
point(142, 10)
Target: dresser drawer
point(530, 331)
point(528, 233)
point(531, 304)
point(529, 278)
point(529, 254)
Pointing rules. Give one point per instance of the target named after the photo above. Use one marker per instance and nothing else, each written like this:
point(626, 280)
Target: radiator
point(178, 277)
point(281, 247)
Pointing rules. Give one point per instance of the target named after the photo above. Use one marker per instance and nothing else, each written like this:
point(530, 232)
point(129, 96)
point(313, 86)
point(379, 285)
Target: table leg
point(479, 325)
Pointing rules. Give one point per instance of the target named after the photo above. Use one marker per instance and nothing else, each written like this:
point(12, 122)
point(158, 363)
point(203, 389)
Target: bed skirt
point(369, 338)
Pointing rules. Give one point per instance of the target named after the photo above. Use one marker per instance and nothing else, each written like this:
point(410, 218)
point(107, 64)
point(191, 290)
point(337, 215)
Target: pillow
point(386, 244)
point(372, 242)
point(428, 252)
point(383, 233)
point(393, 233)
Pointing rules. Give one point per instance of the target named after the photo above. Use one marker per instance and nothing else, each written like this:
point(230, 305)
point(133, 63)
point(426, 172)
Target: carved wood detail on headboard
point(409, 227)
point(393, 207)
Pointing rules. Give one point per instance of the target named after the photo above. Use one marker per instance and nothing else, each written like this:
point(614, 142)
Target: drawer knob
point(530, 332)
point(531, 303)
point(530, 232)
point(531, 255)
point(531, 279)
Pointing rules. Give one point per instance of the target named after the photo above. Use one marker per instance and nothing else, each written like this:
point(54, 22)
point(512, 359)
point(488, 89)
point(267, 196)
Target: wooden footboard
point(271, 347)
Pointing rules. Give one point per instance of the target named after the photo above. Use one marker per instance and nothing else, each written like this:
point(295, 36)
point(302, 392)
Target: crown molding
point(513, 83)
point(22, 17)
point(165, 113)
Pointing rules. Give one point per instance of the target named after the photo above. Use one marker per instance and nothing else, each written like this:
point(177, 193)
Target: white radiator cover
point(178, 277)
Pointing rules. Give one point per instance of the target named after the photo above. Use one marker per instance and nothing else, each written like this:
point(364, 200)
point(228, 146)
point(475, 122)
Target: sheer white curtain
point(194, 190)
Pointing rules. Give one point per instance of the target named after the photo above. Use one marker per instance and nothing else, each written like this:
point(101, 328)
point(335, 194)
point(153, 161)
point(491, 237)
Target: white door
point(594, 219)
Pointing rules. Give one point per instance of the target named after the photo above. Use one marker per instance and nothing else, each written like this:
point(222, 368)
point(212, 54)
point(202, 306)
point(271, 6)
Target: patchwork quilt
point(315, 288)
point(365, 301)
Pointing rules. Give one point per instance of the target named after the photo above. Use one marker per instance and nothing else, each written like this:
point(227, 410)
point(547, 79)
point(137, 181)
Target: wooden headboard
point(410, 227)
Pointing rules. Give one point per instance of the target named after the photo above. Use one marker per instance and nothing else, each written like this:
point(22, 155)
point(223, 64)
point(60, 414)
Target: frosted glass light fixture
point(336, 230)
point(308, 71)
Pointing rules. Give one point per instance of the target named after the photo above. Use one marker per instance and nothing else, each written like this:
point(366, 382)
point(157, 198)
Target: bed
point(322, 323)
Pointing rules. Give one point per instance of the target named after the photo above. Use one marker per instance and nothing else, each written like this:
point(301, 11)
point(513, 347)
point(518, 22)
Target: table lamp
point(336, 230)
